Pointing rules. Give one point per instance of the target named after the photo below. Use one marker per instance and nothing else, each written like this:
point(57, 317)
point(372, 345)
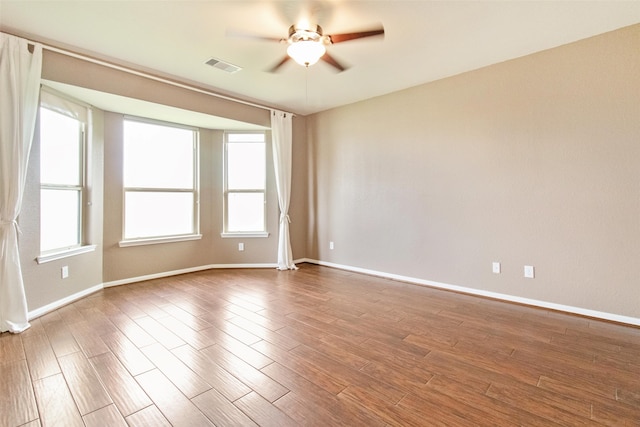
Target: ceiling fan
point(308, 46)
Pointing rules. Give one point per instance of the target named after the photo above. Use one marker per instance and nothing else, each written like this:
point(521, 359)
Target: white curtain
point(281, 130)
point(20, 73)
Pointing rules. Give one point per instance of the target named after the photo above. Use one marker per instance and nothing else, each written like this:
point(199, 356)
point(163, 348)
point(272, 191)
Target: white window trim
point(157, 240)
point(152, 240)
point(241, 234)
point(65, 253)
point(82, 112)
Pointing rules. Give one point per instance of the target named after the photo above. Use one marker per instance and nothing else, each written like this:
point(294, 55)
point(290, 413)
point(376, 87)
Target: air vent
point(224, 66)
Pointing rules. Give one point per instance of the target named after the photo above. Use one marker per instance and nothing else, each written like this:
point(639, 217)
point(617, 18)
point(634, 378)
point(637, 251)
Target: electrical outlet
point(496, 267)
point(529, 272)
point(241, 247)
point(64, 272)
point(331, 245)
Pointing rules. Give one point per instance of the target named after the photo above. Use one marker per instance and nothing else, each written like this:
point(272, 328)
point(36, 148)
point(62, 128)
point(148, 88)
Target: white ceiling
point(424, 40)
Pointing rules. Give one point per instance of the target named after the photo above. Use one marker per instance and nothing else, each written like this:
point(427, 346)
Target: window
point(62, 176)
point(160, 169)
point(244, 184)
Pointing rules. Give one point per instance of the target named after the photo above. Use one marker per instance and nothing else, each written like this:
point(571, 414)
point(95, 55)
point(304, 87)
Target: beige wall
point(298, 211)
point(65, 69)
point(122, 263)
point(534, 161)
point(111, 263)
point(43, 282)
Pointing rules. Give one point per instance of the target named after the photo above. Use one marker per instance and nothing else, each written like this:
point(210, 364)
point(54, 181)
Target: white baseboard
point(471, 291)
point(71, 298)
point(479, 292)
point(265, 265)
point(62, 302)
point(184, 271)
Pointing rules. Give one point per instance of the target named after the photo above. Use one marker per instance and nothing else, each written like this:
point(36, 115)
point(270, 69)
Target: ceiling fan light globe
point(306, 52)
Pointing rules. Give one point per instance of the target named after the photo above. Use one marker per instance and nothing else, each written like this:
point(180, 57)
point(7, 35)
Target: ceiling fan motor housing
point(302, 34)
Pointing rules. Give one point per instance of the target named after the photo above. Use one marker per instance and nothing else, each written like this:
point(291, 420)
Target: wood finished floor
point(317, 347)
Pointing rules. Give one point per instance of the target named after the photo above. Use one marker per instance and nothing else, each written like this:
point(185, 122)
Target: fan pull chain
point(306, 86)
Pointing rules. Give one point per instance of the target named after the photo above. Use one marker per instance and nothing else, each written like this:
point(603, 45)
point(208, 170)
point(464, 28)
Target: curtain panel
point(281, 135)
point(20, 72)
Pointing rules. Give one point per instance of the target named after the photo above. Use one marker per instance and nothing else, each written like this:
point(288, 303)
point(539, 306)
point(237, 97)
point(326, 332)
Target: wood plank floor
point(313, 347)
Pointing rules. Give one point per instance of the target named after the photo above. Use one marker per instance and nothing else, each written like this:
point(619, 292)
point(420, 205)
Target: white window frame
point(77, 110)
point(195, 234)
point(226, 191)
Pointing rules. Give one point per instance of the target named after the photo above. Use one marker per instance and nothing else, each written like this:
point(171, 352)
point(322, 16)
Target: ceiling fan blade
point(332, 61)
point(279, 64)
point(242, 35)
point(339, 38)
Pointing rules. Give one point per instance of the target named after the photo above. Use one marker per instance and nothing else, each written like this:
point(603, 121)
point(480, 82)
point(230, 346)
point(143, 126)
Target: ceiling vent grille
point(222, 65)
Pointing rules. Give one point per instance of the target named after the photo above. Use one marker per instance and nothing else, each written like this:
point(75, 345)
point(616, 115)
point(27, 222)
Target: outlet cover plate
point(496, 267)
point(529, 272)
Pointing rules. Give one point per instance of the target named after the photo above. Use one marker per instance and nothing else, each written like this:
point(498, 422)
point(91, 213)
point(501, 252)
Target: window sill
point(158, 240)
point(65, 253)
point(243, 235)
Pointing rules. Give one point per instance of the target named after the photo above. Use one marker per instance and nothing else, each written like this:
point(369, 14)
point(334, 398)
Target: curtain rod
point(147, 75)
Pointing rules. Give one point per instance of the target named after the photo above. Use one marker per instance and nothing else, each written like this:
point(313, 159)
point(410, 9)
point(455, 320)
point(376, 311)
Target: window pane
point(59, 219)
point(245, 212)
point(60, 154)
point(157, 156)
point(246, 166)
point(153, 214)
